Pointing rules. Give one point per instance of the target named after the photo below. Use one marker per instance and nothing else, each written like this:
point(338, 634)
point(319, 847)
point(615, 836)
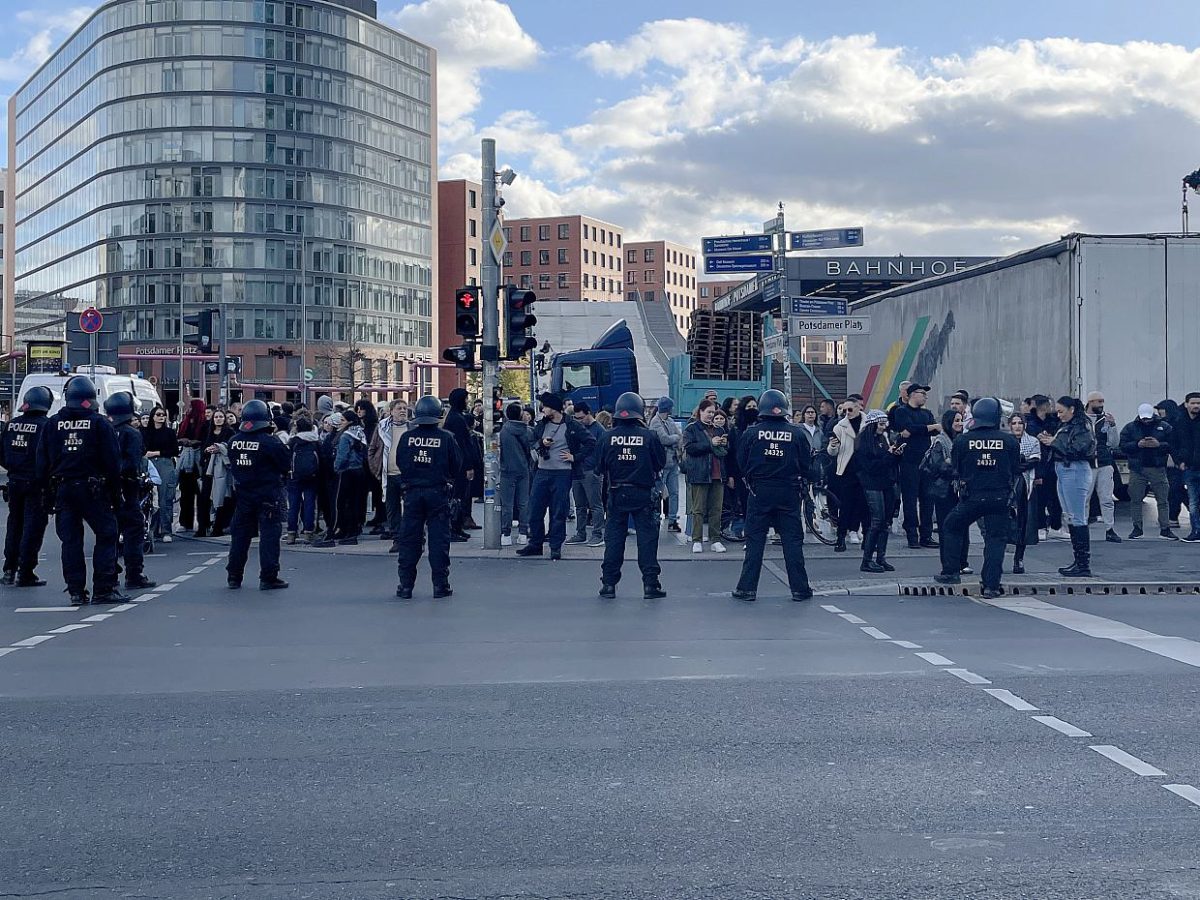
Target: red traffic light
point(466, 299)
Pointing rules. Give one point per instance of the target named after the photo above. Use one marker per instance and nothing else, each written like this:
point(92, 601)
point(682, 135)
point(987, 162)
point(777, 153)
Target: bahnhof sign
point(839, 278)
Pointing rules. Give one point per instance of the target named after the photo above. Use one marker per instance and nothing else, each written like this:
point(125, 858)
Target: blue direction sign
point(743, 243)
point(719, 265)
point(818, 306)
point(825, 239)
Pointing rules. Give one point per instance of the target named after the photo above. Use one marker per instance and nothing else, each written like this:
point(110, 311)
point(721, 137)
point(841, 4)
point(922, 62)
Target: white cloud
point(45, 31)
point(469, 36)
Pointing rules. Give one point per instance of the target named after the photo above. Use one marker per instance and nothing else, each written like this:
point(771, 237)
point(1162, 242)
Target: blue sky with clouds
point(941, 126)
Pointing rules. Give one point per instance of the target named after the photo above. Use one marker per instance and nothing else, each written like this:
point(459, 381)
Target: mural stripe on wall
point(885, 375)
point(872, 375)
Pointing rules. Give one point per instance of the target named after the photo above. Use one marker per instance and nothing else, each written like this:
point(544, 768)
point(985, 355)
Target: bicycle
point(820, 511)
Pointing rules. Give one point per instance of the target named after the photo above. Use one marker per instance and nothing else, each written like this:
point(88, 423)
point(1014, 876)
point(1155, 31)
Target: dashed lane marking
point(907, 645)
point(1128, 760)
point(1186, 791)
point(213, 561)
point(968, 676)
point(935, 659)
point(34, 641)
point(163, 588)
point(98, 617)
point(852, 619)
point(1062, 727)
point(4, 651)
point(66, 629)
point(833, 609)
point(1008, 698)
point(180, 579)
point(197, 570)
point(123, 607)
point(36, 609)
point(875, 633)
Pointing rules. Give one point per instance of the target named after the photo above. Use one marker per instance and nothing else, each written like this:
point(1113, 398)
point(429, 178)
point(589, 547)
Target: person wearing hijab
point(191, 434)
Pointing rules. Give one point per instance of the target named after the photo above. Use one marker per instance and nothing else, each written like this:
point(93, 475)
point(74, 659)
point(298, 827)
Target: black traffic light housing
point(518, 319)
point(462, 356)
point(203, 322)
point(466, 311)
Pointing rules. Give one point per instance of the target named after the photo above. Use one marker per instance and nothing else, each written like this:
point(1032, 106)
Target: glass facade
point(175, 154)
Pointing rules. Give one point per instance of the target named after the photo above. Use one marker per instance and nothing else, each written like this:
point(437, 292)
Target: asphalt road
point(525, 739)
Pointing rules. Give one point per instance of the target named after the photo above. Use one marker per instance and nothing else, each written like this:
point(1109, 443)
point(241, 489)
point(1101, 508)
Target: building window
point(264, 368)
point(648, 255)
point(631, 276)
point(543, 282)
point(602, 235)
point(507, 235)
point(526, 282)
point(562, 256)
point(507, 259)
point(543, 257)
point(703, 293)
point(472, 228)
point(648, 276)
point(618, 242)
point(631, 256)
point(562, 280)
point(649, 295)
point(543, 232)
point(527, 257)
point(564, 232)
point(525, 232)
point(585, 232)
point(474, 257)
point(471, 199)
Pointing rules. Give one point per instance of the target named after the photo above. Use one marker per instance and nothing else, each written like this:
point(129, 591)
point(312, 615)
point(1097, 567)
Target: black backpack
point(304, 460)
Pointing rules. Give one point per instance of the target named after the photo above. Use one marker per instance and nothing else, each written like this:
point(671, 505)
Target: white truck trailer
point(1118, 314)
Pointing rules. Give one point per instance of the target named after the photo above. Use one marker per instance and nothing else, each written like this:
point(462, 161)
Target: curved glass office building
point(268, 158)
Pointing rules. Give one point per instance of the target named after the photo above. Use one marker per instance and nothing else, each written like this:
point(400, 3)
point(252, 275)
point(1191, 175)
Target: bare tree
point(343, 365)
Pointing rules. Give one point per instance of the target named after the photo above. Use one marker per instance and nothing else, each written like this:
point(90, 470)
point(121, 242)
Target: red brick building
point(461, 245)
point(565, 257)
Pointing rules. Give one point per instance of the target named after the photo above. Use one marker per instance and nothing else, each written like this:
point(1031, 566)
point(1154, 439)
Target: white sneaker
point(854, 538)
point(697, 547)
point(1061, 535)
point(506, 540)
point(166, 539)
point(522, 539)
point(718, 547)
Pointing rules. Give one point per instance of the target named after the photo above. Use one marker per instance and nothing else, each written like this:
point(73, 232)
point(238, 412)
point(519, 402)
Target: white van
point(107, 381)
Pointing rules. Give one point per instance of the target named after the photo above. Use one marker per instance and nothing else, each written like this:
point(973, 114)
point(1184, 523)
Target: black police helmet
point(256, 416)
point(630, 408)
point(38, 399)
point(428, 411)
point(773, 405)
point(986, 412)
point(79, 392)
point(119, 407)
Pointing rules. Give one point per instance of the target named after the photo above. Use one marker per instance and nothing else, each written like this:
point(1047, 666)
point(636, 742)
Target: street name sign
point(818, 306)
point(775, 344)
point(828, 326)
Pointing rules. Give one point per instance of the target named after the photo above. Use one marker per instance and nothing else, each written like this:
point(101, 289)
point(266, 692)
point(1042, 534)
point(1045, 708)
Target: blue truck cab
point(600, 374)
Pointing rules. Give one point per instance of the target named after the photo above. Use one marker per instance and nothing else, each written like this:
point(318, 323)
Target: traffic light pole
point(490, 352)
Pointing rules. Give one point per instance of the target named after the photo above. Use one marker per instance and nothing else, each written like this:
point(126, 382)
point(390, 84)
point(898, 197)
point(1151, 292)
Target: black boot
point(1081, 547)
point(1019, 561)
point(881, 553)
point(840, 546)
point(868, 563)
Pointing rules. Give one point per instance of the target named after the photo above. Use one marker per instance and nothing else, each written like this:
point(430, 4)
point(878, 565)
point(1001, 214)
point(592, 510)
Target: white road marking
point(875, 633)
point(968, 676)
point(199, 552)
point(98, 617)
point(1186, 791)
point(1010, 699)
point(163, 588)
point(907, 645)
point(936, 659)
point(832, 609)
point(123, 607)
point(66, 629)
point(180, 579)
point(852, 619)
point(34, 641)
point(1060, 726)
point(197, 570)
point(777, 572)
point(1128, 760)
point(46, 609)
point(4, 651)
point(213, 561)
point(1176, 648)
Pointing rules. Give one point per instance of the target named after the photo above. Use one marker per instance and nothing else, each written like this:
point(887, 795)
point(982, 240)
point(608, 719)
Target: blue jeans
point(670, 481)
point(302, 498)
point(1191, 480)
point(551, 491)
point(1074, 490)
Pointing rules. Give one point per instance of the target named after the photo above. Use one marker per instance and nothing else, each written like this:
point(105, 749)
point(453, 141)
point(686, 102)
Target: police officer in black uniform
point(127, 497)
point(629, 460)
point(429, 461)
point(986, 462)
point(27, 518)
point(78, 458)
point(259, 462)
point(774, 457)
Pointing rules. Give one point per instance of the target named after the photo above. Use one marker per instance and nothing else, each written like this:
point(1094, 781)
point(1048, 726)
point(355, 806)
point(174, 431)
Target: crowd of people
point(1049, 469)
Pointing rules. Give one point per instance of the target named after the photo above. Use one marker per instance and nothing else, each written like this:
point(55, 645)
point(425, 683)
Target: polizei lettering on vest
point(628, 440)
point(430, 443)
point(985, 445)
point(775, 436)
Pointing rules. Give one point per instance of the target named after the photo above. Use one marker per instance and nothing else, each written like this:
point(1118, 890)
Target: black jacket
point(698, 455)
point(916, 422)
point(630, 455)
point(1104, 452)
point(987, 461)
point(19, 443)
point(774, 453)
point(580, 441)
point(1074, 442)
point(877, 465)
point(457, 425)
point(1146, 457)
point(1186, 447)
point(76, 445)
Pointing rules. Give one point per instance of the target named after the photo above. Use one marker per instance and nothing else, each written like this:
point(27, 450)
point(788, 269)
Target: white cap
point(1145, 411)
